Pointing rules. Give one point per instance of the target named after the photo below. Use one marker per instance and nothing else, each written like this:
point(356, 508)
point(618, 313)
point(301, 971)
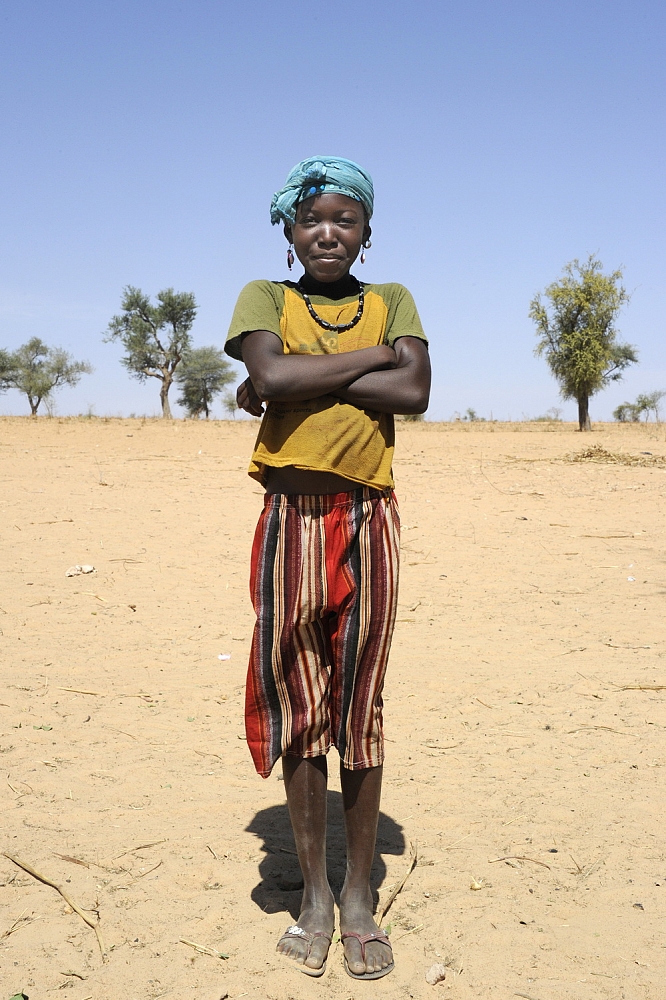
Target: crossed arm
point(391, 380)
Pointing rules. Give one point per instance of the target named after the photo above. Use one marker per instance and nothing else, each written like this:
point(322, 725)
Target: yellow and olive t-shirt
point(324, 434)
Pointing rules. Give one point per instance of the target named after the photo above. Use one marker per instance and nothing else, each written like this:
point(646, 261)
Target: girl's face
point(328, 234)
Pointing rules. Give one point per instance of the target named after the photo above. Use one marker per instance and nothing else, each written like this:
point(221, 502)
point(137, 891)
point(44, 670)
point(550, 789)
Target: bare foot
point(310, 949)
point(356, 918)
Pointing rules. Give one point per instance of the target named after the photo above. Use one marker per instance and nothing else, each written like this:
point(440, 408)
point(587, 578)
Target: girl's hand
point(247, 399)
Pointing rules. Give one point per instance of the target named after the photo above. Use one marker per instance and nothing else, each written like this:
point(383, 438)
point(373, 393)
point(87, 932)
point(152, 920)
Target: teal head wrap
point(321, 175)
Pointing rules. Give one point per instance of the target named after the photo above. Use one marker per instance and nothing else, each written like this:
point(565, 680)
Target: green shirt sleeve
point(403, 319)
point(259, 307)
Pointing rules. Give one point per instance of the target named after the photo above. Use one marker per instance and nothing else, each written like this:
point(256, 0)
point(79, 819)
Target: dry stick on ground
point(99, 694)
point(141, 847)
point(74, 861)
point(15, 926)
point(518, 857)
point(389, 902)
point(203, 753)
point(70, 902)
point(608, 729)
point(203, 949)
point(643, 687)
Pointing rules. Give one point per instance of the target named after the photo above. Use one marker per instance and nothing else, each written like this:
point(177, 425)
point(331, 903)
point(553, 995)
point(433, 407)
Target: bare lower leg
point(361, 794)
point(305, 780)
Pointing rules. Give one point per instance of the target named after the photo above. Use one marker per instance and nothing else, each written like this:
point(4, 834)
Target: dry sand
point(532, 593)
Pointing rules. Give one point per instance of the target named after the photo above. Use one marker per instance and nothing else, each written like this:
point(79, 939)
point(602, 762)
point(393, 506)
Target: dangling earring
point(366, 246)
point(290, 256)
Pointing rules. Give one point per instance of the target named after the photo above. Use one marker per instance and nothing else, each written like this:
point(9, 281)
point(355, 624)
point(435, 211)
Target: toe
point(354, 960)
point(318, 953)
point(292, 948)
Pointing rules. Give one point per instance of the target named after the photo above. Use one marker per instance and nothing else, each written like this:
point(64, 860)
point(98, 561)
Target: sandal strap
point(364, 939)
point(302, 935)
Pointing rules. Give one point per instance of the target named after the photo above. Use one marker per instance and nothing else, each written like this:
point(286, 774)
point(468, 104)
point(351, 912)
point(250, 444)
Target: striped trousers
point(324, 584)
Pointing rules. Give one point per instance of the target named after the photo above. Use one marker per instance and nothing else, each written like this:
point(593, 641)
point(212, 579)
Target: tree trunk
point(34, 405)
point(584, 413)
point(164, 398)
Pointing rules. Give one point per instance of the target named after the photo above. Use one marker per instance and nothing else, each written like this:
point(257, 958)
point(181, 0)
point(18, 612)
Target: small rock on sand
point(436, 974)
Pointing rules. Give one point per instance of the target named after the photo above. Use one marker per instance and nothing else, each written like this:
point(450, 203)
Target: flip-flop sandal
point(364, 939)
point(297, 932)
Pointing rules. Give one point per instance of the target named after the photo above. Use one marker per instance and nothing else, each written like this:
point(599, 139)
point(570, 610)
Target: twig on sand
point(100, 694)
point(114, 730)
point(70, 902)
point(518, 857)
point(456, 842)
point(643, 687)
point(15, 926)
point(212, 852)
point(143, 874)
point(141, 847)
point(526, 996)
point(389, 902)
point(203, 949)
point(614, 646)
point(73, 861)
point(205, 753)
point(608, 729)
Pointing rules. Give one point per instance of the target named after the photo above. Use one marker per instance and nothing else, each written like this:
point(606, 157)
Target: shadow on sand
point(281, 883)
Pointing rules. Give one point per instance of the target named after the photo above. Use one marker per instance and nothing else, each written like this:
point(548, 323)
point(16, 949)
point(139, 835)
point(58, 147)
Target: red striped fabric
point(324, 585)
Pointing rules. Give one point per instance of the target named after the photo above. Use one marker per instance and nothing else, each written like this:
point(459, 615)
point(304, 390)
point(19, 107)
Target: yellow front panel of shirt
point(326, 434)
point(302, 335)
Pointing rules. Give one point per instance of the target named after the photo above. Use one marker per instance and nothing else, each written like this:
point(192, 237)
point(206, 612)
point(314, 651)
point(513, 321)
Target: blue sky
point(142, 142)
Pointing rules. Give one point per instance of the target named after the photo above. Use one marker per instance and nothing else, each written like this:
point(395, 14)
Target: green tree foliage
point(646, 403)
point(202, 376)
point(626, 413)
point(37, 370)
point(578, 335)
point(229, 403)
point(6, 370)
point(156, 338)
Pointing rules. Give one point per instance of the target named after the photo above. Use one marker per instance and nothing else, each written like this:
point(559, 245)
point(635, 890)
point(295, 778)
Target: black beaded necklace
point(336, 328)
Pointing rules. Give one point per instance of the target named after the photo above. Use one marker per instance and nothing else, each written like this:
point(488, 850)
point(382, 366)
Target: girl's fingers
point(247, 399)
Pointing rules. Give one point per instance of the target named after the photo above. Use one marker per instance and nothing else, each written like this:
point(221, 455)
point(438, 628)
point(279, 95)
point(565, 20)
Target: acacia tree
point(37, 370)
point(578, 335)
point(6, 370)
point(155, 338)
point(203, 375)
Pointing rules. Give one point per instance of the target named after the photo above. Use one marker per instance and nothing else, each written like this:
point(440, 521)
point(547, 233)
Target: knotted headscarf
point(321, 175)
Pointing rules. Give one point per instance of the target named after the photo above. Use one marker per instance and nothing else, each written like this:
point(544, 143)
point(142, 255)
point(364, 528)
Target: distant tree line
point(646, 403)
point(575, 327)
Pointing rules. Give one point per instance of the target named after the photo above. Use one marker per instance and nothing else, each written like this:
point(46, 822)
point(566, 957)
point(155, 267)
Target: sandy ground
point(527, 776)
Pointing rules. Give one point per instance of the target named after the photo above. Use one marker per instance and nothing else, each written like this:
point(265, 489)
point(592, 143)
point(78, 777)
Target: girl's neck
point(340, 289)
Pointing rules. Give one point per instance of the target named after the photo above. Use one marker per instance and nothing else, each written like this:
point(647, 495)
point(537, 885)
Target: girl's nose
point(327, 235)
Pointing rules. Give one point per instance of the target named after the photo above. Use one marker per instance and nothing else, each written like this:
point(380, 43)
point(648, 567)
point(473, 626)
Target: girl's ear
point(367, 232)
point(287, 233)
